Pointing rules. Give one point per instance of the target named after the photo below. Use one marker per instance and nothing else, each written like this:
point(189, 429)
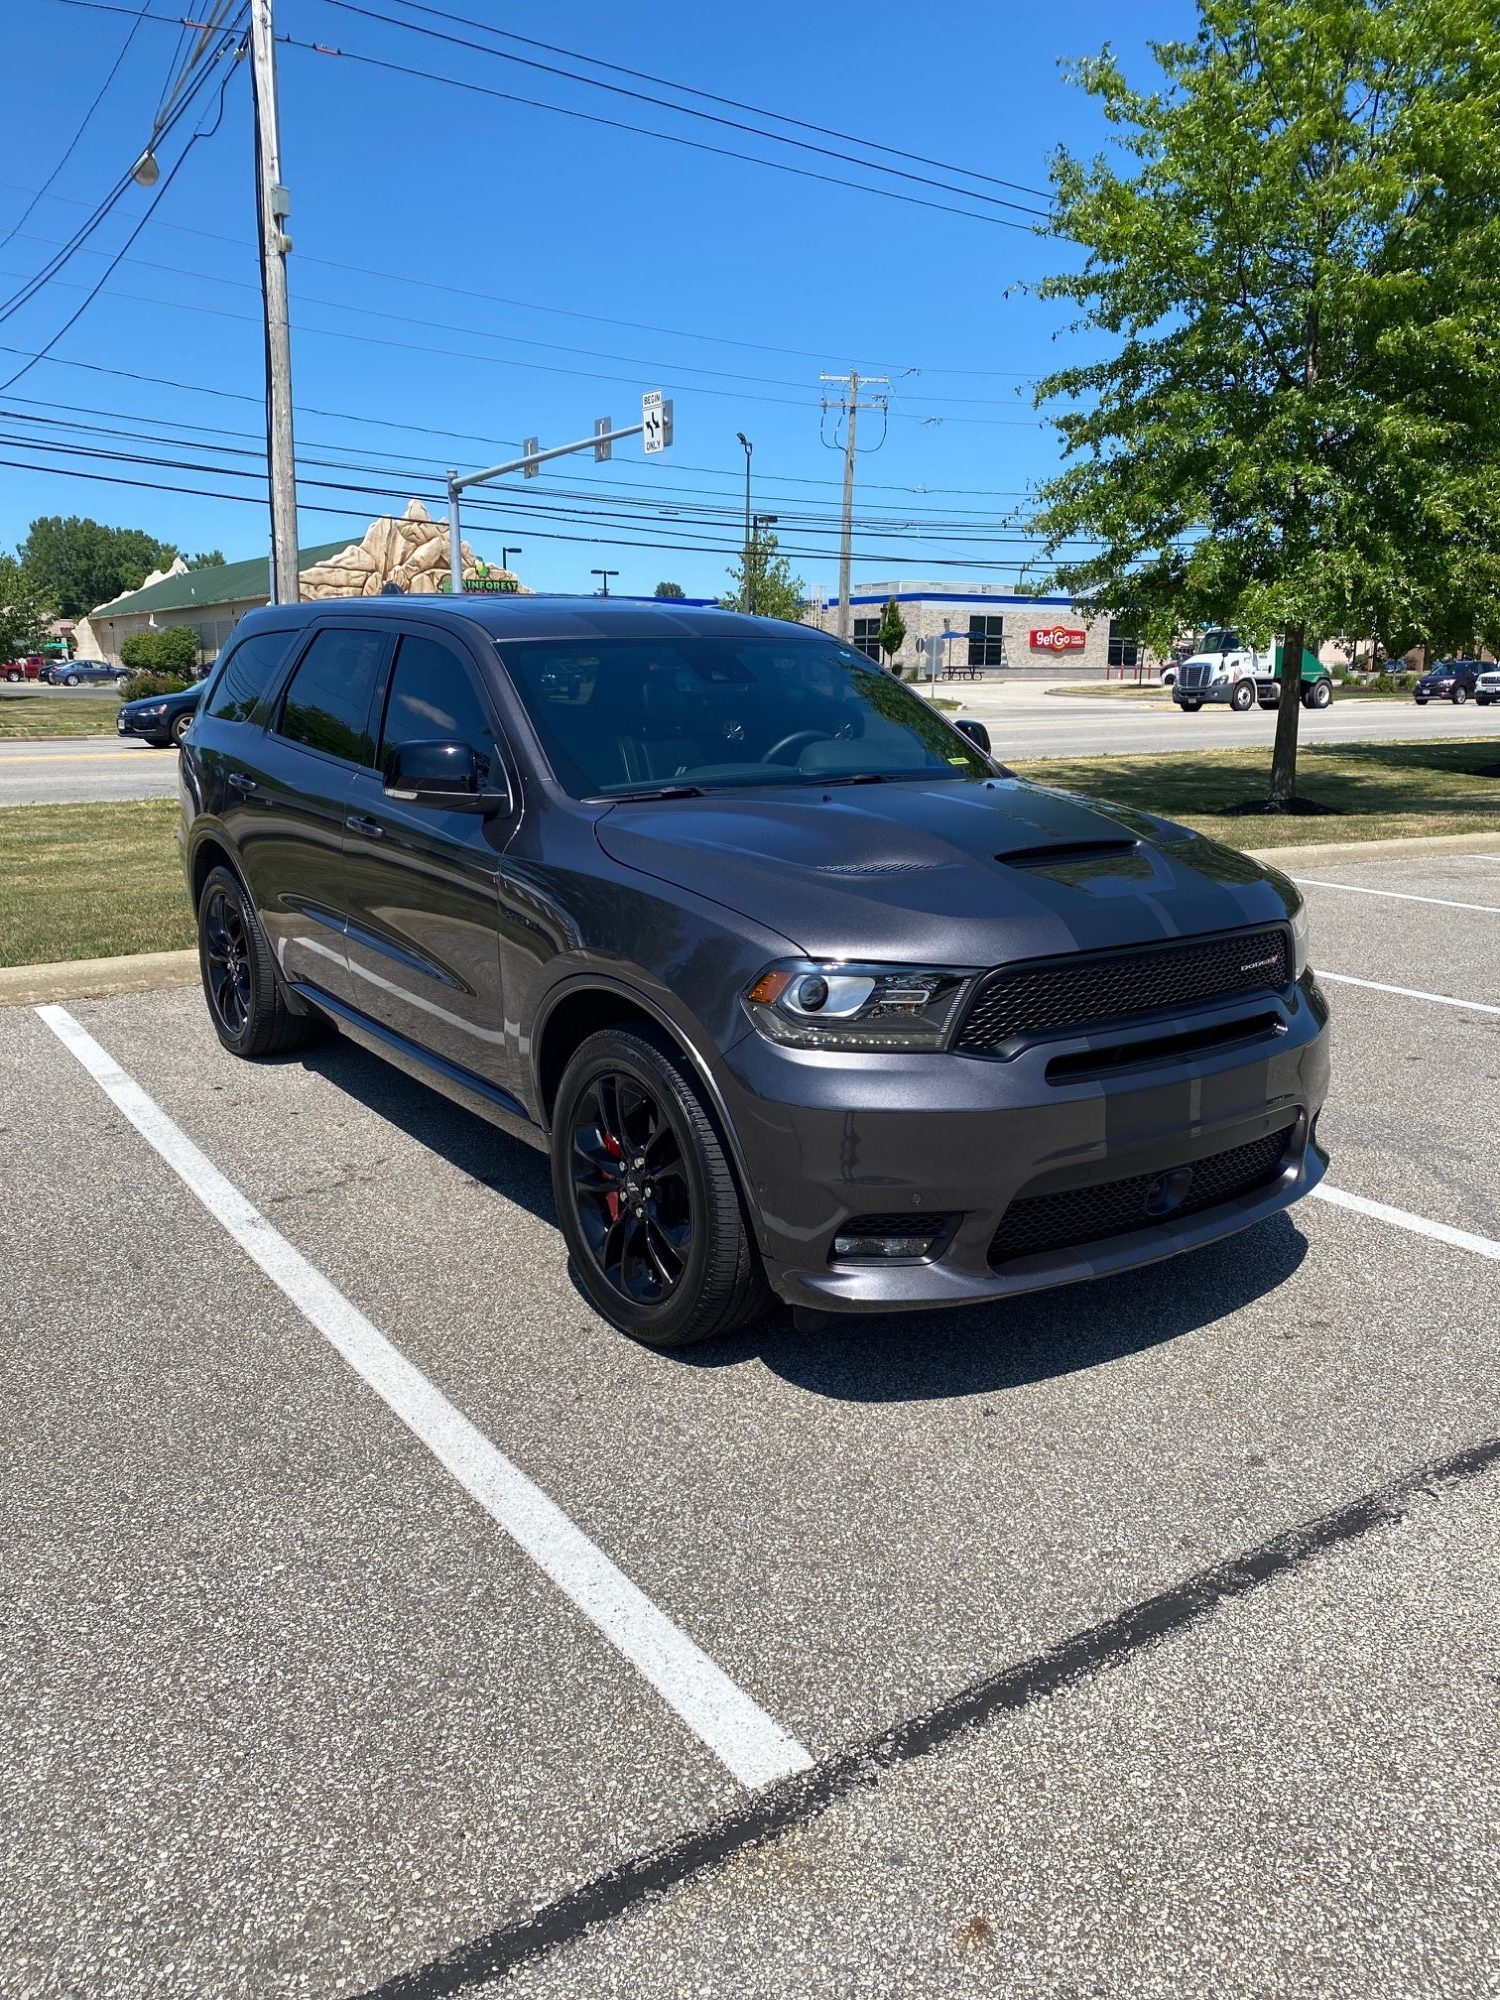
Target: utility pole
point(274, 205)
point(851, 406)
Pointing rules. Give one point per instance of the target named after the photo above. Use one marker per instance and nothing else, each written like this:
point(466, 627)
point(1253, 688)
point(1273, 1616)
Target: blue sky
point(470, 271)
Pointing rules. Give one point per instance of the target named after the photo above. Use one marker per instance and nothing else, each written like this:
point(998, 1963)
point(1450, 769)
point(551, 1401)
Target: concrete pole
point(274, 206)
point(846, 536)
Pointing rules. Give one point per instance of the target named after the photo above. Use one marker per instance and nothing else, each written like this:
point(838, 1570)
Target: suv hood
point(947, 873)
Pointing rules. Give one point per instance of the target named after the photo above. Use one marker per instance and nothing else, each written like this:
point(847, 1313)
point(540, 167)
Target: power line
point(680, 110)
point(641, 131)
point(735, 103)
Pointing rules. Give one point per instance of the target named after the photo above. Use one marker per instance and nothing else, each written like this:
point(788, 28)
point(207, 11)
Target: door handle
point(240, 783)
point(362, 823)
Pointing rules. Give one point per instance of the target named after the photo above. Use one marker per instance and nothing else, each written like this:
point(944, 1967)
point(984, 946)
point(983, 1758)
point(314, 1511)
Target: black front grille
point(1059, 995)
point(1197, 675)
point(1041, 1222)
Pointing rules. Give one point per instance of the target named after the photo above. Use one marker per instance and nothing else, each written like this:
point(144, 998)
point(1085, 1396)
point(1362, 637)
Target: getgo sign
point(1058, 639)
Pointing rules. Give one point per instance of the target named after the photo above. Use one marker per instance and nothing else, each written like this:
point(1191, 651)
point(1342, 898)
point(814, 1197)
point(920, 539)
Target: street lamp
point(507, 553)
point(606, 574)
point(745, 593)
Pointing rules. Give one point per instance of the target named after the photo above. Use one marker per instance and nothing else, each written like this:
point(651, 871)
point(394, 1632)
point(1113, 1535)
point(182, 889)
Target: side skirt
point(485, 1099)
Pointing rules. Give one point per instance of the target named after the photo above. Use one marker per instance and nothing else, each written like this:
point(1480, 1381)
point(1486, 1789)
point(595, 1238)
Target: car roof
point(538, 616)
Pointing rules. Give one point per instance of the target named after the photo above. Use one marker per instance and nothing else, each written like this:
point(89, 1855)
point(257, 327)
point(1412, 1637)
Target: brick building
point(989, 627)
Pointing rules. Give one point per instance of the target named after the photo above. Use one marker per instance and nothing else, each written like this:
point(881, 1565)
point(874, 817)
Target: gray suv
point(802, 992)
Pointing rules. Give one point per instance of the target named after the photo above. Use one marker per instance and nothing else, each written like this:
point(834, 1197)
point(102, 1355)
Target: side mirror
point(450, 775)
point(976, 732)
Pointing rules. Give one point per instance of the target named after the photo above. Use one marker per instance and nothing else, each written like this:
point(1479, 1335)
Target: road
point(1142, 1636)
point(1024, 721)
point(79, 770)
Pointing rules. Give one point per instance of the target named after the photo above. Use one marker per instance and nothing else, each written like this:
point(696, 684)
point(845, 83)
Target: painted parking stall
point(918, 1549)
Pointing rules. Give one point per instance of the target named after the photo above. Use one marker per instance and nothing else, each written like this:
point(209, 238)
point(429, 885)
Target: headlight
point(814, 1004)
point(1299, 941)
point(160, 709)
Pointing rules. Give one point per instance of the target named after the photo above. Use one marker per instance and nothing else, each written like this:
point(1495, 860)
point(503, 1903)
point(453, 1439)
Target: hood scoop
point(1056, 853)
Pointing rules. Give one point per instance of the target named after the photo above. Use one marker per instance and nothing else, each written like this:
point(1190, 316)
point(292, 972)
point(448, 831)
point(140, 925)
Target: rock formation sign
point(411, 553)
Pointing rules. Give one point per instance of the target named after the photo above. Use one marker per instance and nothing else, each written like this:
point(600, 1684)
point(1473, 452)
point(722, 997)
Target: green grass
point(90, 881)
point(1382, 791)
point(31, 713)
point(100, 881)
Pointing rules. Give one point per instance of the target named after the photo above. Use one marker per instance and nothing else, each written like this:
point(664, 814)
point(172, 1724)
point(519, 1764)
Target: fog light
point(889, 1238)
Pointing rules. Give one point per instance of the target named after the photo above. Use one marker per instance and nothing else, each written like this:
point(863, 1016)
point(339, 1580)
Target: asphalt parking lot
point(380, 1623)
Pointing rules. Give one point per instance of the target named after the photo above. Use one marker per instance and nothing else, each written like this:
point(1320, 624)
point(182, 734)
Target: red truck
point(27, 668)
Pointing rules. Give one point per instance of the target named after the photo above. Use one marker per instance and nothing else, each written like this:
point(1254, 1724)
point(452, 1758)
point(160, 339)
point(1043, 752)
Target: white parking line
point(755, 1749)
point(1396, 895)
point(1460, 1239)
point(1409, 992)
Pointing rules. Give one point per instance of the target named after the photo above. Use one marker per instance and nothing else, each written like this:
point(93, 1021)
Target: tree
point(1297, 423)
point(669, 590)
point(208, 559)
point(774, 592)
point(891, 635)
point(80, 564)
point(25, 613)
point(171, 650)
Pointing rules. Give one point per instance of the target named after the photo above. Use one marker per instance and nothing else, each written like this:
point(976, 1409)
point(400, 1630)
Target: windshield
point(1220, 640)
point(1445, 670)
point(710, 714)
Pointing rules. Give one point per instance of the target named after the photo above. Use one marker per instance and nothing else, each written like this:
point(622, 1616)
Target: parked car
point(27, 668)
point(162, 719)
point(1226, 670)
point(74, 673)
point(1487, 686)
point(804, 994)
point(1449, 680)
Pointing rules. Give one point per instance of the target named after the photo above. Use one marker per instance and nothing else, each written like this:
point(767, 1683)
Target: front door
point(421, 881)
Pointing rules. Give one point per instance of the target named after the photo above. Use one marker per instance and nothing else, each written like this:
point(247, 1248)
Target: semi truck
point(1223, 668)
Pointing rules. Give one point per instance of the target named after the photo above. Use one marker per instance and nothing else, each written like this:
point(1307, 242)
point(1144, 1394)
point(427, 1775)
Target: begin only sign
point(1058, 639)
point(656, 421)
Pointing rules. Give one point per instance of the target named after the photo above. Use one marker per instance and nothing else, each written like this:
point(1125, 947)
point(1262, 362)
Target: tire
point(682, 1267)
point(1189, 707)
point(1242, 696)
point(181, 725)
point(1484, 700)
point(245, 1003)
point(1319, 695)
point(70, 680)
point(1420, 700)
point(1460, 695)
point(12, 676)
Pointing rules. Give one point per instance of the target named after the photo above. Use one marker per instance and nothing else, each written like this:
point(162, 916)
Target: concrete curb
point(1377, 850)
point(96, 978)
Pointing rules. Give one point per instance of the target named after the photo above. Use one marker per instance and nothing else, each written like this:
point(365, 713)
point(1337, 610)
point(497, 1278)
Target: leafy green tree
point(669, 590)
point(1296, 426)
point(172, 650)
point(207, 559)
point(80, 564)
point(24, 610)
point(774, 592)
point(891, 633)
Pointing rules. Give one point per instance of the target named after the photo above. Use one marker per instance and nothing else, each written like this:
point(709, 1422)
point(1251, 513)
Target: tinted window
point(327, 705)
point(718, 712)
point(433, 700)
point(246, 674)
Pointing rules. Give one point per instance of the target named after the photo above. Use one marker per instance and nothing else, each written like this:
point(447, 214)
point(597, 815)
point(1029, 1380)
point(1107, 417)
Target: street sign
point(604, 448)
point(529, 451)
point(653, 422)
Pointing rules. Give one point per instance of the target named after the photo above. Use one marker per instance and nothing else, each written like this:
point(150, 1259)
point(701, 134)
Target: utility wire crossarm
point(655, 427)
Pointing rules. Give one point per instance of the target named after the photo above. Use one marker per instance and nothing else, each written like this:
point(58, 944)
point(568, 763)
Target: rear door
point(422, 881)
point(286, 795)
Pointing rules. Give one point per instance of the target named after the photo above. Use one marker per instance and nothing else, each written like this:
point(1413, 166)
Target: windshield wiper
point(658, 792)
point(855, 778)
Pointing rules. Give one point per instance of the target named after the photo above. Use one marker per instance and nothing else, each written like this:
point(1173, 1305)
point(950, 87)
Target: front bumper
point(827, 1138)
point(154, 731)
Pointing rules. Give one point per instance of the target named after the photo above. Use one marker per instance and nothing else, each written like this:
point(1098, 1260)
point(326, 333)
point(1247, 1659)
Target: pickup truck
point(27, 668)
point(1224, 669)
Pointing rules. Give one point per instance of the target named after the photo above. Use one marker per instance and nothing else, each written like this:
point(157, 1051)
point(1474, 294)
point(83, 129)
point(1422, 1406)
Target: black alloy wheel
point(245, 1001)
point(631, 1189)
point(649, 1204)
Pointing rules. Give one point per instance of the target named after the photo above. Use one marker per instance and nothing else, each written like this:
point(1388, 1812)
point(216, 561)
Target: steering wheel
point(798, 740)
